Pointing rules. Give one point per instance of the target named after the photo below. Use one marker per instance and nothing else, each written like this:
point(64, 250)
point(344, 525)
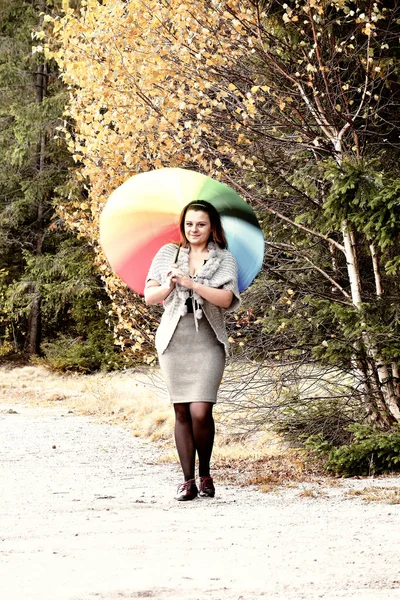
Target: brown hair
point(217, 234)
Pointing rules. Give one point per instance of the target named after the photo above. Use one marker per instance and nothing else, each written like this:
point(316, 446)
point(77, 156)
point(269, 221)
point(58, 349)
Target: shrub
point(299, 419)
point(370, 453)
point(85, 356)
point(6, 348)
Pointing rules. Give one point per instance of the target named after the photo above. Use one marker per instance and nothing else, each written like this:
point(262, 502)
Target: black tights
point(194, 432)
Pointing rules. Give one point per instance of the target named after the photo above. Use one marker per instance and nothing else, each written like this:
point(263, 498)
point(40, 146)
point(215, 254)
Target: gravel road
point(87, 513)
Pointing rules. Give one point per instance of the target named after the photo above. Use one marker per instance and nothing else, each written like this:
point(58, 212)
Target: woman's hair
point(217, 234)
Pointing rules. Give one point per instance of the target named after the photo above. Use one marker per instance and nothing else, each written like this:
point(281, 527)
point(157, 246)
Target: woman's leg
point(184, 439)
point(203, 433)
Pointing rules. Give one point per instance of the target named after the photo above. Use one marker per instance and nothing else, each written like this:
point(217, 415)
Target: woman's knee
point(182, 413)
point(201, 412)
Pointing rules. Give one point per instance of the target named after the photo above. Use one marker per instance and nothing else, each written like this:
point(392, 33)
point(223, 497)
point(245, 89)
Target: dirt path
point(87, 513)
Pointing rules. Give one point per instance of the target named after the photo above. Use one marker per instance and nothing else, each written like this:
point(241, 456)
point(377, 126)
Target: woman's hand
point(178, 277)
point(219, 297)
point(154, 293)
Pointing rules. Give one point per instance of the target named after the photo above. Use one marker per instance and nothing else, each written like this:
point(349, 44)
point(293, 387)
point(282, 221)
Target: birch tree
point(294, 104)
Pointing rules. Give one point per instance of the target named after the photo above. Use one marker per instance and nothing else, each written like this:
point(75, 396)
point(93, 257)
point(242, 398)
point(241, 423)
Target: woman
point(196, 282)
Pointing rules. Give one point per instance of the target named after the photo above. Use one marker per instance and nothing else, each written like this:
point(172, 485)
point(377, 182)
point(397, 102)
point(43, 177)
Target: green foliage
point(33, 164)
point(76, 329)
point(362, 193)
point(368, 451)
point(60, 278)
point(318, 445)
point(41, 261)
point(300, 420)
point(353, 184)
point(97, 352)
point(371, 452)
point(393, 266)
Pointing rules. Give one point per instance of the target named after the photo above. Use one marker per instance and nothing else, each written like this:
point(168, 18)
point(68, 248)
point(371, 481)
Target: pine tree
point(48, 283)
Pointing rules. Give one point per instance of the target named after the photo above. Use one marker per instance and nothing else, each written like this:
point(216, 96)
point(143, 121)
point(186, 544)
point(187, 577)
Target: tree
point(47, 279)
point(295, 105)
point(25, 179)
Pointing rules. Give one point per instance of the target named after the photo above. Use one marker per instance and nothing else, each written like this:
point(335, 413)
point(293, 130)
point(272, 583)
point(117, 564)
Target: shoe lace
point(186, 485)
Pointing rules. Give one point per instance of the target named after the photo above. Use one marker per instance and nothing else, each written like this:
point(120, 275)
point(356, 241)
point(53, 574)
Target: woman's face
point(197, 227)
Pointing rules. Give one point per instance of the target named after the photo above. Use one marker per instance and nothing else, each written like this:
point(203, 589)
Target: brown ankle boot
point(207, 488)
point(187, 490)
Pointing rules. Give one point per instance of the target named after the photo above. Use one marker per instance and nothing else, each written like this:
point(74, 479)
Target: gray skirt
point(193, 363)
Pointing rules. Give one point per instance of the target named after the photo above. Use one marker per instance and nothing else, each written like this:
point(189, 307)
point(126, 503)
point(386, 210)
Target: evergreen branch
point(301, 252)
point(303, 228)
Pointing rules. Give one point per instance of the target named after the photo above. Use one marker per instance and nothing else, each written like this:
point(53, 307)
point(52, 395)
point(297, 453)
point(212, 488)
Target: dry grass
point(137, 400)
point(312, 493)
point(386, 495)
point(116, 398)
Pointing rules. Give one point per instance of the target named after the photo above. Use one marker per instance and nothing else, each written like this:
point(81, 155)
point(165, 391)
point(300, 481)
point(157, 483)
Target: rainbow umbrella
point(143, 213)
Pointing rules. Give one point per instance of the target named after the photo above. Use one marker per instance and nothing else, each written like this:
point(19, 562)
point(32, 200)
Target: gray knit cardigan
point(220, 271)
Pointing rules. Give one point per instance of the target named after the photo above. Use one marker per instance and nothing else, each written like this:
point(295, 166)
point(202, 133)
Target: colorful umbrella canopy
point(143, 214)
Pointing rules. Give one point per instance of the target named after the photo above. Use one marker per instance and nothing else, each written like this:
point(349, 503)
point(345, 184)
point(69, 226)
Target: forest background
point(296, 106)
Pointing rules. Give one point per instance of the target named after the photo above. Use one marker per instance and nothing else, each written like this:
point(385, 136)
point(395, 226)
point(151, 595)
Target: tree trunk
point(376, 407)
point(384, 371)
point(32, 343)
point(377, 274)
point(396, 377)
point(33, 338)
point(378, 374)
point(352, 265)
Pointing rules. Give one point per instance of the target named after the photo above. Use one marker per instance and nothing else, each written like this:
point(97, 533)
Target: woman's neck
point(199, 250)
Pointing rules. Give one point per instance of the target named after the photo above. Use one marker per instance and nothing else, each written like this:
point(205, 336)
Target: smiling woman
point(197, 227)
point(196, 287)
point(139, 219)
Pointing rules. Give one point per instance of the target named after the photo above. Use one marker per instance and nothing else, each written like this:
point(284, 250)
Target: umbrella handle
point(177, 253)
point(168, 279)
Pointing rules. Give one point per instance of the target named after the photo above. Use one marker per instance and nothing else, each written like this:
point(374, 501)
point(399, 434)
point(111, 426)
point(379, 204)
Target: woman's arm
point(154, 293)
point(217, 296)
